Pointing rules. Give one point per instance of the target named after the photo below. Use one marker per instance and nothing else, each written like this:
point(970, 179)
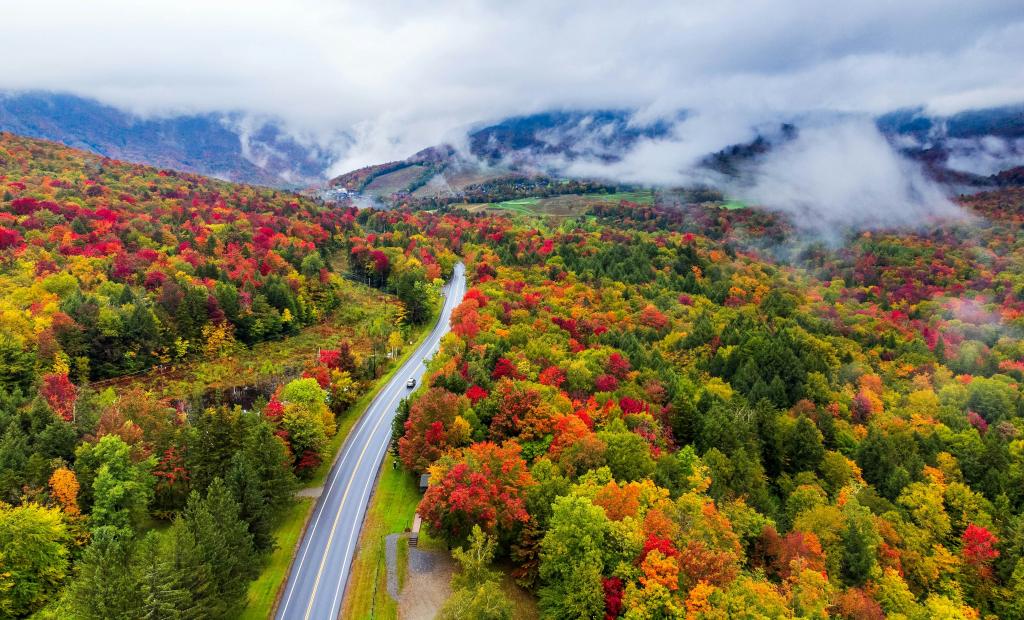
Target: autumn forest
point(647, 411)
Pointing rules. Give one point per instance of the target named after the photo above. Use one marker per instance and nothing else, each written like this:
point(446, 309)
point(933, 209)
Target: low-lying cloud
point(400, 75)
point(846, 174)
point(372, 82)
point(832, 172)
point(986, 155)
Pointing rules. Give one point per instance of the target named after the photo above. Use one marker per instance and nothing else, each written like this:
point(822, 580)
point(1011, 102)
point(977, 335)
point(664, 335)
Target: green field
point(520, 205)
point(566, 205)
point(644, 197)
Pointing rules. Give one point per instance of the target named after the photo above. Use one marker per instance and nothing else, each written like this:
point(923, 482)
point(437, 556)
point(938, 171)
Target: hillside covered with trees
point(117, 503)
point(644, 412)
point(648, 418)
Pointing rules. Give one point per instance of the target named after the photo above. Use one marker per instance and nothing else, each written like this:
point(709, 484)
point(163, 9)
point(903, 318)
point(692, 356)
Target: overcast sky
point(397, 76)
point(402, 75)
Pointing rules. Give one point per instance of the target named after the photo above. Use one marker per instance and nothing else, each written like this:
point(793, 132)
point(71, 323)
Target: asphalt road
point(316, 583)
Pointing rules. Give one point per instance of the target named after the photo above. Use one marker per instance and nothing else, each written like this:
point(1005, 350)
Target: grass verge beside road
point(263, 591)
point(356, 411)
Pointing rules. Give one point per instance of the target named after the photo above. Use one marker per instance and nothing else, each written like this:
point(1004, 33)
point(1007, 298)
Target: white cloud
point(401, 75)
point(986, 155)
point(845, 173)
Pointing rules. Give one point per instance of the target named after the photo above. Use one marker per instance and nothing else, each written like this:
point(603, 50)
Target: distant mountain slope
point(973, 149)
point(223, 145)
point(600, 134)
point(505, 152)
point(1003, 122)
point(975, 146)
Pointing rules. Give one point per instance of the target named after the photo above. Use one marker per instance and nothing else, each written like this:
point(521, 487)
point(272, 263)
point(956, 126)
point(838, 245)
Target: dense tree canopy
point(647, 412)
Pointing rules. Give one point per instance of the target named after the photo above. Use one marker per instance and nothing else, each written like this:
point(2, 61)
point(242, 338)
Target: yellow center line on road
point(316, 583)
point(366, 485)
point(362, 498)
point(333, 476)
point(341, 507)
point(332, 479)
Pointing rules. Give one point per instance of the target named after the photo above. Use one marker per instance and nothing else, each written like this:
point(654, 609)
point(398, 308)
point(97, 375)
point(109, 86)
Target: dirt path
point(426, 584)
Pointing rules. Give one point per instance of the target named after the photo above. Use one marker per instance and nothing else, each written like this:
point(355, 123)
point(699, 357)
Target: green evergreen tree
point(108, 580)
point(224, 544)
point(13, 460)
point(804, 447)
point(272, 464)
point(192, 573)
point(685, 419)
point(214, 437)
point(398, 425)
point(247, 489)
point(776, 393)
point(859, 543)
point(160, 589)
point(17, 366)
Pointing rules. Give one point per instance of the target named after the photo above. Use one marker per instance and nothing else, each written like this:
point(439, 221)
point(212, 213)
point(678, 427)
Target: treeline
point(512, 187)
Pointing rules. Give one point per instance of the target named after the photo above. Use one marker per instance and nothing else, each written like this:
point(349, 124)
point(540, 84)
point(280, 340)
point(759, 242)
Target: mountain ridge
point(224, 145)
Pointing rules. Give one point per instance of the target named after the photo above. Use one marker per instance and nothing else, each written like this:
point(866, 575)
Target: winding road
point(316, 581)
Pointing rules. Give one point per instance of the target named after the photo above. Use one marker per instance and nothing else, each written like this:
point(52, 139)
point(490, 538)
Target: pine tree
point(224, 544)
point(245, 486)
point(106, 586)
point(13, 458)
point(858, 551)
point(17, 366)
point(160, 590)
point(192, 573)
point(746, 377)
point(398, 425)
point(272, 465)
point(685, 419)
point(777, 392)
point(804, 447)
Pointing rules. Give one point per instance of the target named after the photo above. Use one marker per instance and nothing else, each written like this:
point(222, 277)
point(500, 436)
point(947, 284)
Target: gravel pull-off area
point(427, 584)
point(313, 492)
point(391, 560)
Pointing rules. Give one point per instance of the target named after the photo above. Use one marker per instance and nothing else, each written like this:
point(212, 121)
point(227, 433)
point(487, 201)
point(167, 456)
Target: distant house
point(424, 482)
